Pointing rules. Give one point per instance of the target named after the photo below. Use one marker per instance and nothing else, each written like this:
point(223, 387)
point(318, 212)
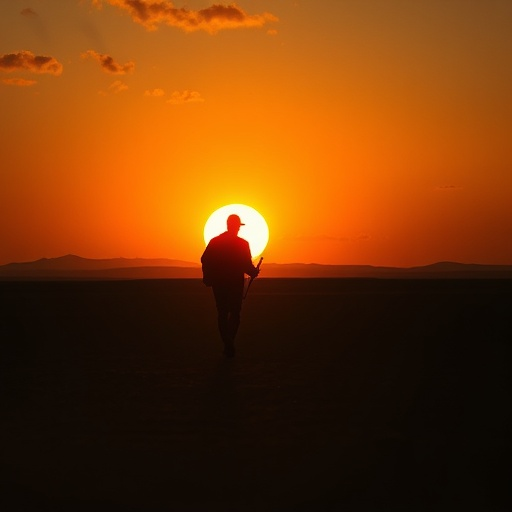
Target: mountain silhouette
point(76, 267)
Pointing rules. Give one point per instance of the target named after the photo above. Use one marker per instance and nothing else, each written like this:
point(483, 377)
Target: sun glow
point(255, 230)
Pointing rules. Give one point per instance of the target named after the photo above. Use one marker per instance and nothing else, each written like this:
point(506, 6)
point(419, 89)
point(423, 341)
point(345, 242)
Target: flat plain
point(345, 394)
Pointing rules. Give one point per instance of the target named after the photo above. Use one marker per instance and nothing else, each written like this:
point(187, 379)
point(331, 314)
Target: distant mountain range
point(75, 267)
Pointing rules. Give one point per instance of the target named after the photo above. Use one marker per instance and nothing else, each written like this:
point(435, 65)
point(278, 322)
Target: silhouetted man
point(225, 261)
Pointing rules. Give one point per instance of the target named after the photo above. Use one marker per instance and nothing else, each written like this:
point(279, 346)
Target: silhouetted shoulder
point(230, 242)
point(226, 257)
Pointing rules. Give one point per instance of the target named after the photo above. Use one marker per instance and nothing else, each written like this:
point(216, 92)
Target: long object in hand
point(252, 278)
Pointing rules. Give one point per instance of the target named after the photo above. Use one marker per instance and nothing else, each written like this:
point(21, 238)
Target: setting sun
point(255, 230)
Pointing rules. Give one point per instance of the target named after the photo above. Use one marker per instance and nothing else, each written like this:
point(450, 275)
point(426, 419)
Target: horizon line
point(198, 264)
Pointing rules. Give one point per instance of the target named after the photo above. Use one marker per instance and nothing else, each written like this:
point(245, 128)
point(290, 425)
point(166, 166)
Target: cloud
point(36, 24)
point(151, 13)
point(181, 97)
point(155, 93)
point(361, 237)
point(176, 97)
point(114, 88)
point(26, 60)
point(447, 187)
point(117, 87)
point(19, 82)
point(108, 64)
point(28, 12)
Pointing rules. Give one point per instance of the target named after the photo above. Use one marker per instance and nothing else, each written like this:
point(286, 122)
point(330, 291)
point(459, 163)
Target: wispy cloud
point(361, 237)
point(181, 97)
point(117, 87)
point(151, 13)
point(154, 93)
point(114, 88)
point(19, 82)
point(26, 60)
point(108, 64)
point(447, 187)
point(176, 97)
point(28, 12)
point(36, 24)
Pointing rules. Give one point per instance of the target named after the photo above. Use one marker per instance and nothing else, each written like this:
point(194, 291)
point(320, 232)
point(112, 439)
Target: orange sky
point(364, 131)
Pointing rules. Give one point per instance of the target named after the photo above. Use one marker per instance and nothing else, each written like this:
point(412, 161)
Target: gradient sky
point(365, 131)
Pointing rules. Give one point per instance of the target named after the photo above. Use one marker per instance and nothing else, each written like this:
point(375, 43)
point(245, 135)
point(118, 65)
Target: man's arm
point(207, 265)
point(249, 268)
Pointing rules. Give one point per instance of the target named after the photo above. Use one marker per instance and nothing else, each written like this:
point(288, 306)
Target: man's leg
point(233, 323)
point(235, 306)
point(223, 317)
point(223, 324)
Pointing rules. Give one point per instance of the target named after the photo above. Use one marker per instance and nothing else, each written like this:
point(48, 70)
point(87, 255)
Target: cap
point(235, 220)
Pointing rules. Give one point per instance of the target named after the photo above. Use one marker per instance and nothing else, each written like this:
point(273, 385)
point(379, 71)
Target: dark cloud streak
point(108, 64)
point(26, 60)
point(19, 82)
point(362, 237)
point(28, 12)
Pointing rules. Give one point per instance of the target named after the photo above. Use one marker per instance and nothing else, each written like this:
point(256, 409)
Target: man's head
point(234, 223)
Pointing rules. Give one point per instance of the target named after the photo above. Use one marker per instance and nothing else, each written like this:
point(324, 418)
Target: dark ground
point(347, 395)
